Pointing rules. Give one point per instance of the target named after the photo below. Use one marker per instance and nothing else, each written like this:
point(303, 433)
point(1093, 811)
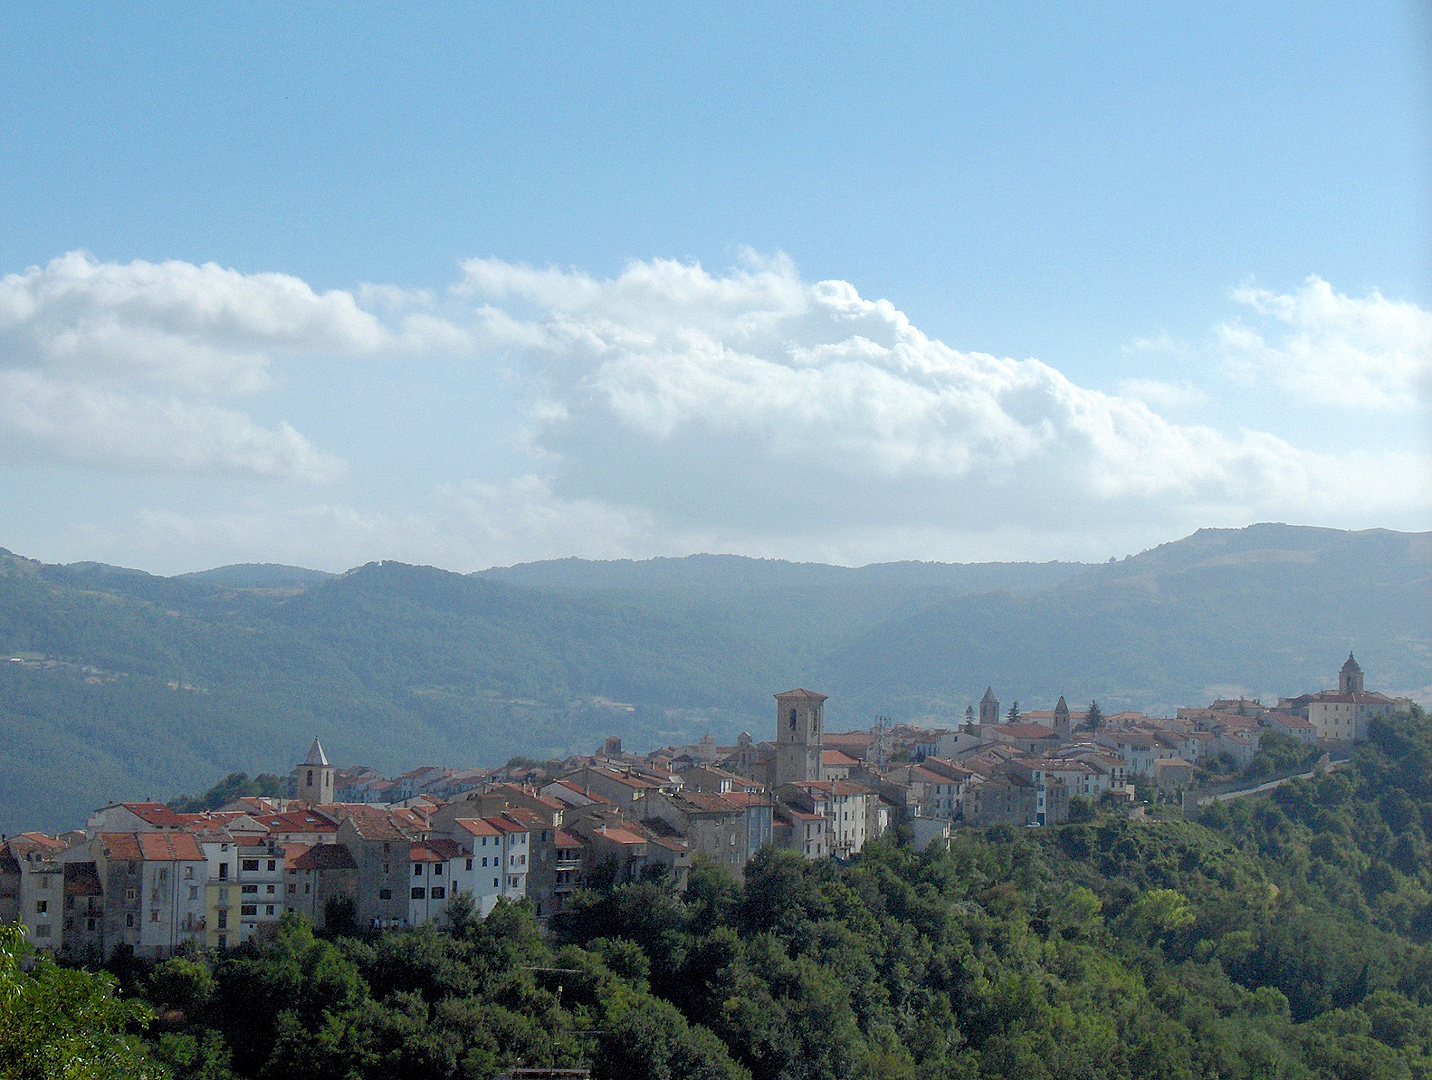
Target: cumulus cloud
point(1159, 394)
point(195, 328)
point(1363, 353)
point(118, 366)
point(77, 424)
point(797, 387)
point(670, 408)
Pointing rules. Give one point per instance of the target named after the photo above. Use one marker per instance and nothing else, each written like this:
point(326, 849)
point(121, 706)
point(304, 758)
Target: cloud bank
point(670, 408)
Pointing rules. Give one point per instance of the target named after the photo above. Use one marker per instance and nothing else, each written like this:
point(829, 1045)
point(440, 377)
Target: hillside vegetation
point(139, 686)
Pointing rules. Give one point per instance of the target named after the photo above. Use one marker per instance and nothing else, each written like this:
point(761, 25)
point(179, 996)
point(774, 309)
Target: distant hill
point(259, 576)
point(129, 685)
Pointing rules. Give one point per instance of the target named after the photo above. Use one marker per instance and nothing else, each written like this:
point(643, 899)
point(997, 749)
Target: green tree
point(62, 1023)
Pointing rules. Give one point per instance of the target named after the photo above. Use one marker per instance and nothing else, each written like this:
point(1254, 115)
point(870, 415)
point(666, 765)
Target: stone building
point(799, 739)
point(313, 777)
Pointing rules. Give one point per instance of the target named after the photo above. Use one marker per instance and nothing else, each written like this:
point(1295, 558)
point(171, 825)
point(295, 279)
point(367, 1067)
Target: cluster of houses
point(352, 848)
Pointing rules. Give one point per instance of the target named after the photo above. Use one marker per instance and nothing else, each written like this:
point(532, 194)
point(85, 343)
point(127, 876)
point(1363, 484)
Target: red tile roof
point(121, 845)
point(169, 847)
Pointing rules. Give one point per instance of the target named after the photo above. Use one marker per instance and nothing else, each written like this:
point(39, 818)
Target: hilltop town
point(347, 848)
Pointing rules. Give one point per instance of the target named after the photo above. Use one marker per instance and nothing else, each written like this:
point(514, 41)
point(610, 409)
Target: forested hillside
point(128, 685)
point(1286, 936)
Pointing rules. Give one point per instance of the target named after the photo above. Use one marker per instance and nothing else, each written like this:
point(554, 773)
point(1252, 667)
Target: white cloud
point(674, 409)
point(1158, 394)
point(757, 387)
point(195, 328)
point(1368, 353)
point(80, 425)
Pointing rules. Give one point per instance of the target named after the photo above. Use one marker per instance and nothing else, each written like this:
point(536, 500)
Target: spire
point(316, 756)
point(1351, 665)
point(1061, 707)
point(989, 694)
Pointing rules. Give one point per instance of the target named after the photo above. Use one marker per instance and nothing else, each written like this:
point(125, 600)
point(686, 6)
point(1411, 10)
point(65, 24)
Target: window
point(250, 865)
point(469, 864)
point(385, 894)
point(484, 860)
point(268, 909)
point(437, 869)
point(224, 871)
point(310, 777)
point(193, 892)
point(544, 836)
point(307, 889)
point(418, 894)
point(268, 890)
point(246, 889)
point(292, 887)
point(129, 919)
point(248, 909)
point(273, 864)
point(494, 883)
point(417, 869)
point(153, 914)
point(41, 906)
point(130, 894)
point(188, 873)
point(223, 941)
point(793, 719)
point(89, 925)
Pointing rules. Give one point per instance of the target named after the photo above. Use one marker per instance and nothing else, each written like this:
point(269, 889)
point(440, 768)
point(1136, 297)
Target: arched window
point(310, 777)
point(793, 719)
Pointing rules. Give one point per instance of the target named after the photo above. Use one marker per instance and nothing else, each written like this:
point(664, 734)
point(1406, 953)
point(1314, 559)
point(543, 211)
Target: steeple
point(316, 756)
point(313, 777)
point(989, 707)
point(1350, 677)
point(1062, 729)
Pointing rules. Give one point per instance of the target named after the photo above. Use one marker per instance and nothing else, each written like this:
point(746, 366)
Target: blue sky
point(471, 287)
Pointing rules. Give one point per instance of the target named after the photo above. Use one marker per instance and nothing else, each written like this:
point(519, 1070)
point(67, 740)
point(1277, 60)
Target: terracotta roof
point(838, 758)
point(121, 845)
point(298, 821)
point(618, 835)
point(154, 813)
point(706, 802)
point(477, 827)
point(169, 847)
point(565, 839)
point(528, 793)
point(800, 692)
point(373, 827)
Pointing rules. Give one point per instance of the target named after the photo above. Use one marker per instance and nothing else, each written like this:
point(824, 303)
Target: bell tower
point(1062, 728)
point(989, 707)
point(313, 777)
point(1350, 677)
point(799, 735)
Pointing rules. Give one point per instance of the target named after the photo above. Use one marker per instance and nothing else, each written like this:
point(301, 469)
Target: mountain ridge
point(160, 684)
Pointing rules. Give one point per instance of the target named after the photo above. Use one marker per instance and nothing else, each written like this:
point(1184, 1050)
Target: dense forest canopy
point(1288, 935)
point(129, 686)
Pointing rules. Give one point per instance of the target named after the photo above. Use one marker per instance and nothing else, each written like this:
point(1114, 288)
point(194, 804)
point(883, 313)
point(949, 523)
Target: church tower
point(989, 707)
point(1350, 677)
point(799, 736)
point(1062, 729)
point(313, 778)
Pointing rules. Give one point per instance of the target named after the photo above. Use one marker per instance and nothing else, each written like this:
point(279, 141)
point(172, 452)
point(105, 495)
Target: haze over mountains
point(131, 685)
